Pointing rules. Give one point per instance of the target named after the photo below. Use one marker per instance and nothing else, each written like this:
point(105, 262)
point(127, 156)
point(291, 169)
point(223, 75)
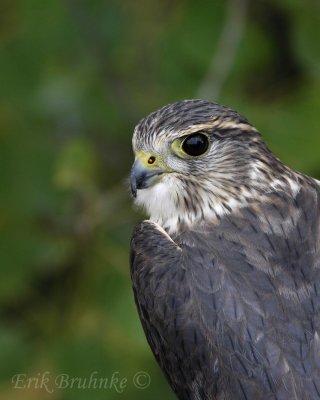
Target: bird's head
point(196, 160)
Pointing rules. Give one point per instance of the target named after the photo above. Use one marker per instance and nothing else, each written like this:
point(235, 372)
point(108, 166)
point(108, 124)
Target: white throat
point(165, 204)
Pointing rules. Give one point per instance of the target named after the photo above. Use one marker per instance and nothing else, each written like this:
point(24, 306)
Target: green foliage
point(75, 77)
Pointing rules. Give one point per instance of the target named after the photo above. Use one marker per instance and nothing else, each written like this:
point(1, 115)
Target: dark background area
point(75, 77)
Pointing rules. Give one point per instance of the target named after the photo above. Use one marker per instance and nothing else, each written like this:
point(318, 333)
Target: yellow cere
point(147, 159)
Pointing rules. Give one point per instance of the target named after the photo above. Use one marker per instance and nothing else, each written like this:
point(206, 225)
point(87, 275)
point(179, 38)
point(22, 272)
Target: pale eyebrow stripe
point(219, 124)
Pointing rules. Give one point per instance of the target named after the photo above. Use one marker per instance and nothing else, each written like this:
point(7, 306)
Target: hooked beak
point(143, 176)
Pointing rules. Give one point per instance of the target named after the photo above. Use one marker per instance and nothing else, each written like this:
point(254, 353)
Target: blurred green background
point(75, 77)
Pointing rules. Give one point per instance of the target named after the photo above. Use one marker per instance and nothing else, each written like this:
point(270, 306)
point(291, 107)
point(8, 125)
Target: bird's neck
point(209, 203)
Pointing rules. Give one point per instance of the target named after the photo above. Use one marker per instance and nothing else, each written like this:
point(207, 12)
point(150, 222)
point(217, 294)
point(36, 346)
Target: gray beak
point(142, 177)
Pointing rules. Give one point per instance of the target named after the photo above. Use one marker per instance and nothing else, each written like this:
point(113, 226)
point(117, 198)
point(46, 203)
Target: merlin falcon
point(226, 272)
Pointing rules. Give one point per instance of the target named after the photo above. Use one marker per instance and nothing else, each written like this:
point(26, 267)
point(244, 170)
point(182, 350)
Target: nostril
point(151, 160)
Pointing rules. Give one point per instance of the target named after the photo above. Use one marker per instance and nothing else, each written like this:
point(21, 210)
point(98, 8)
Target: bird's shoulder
point(274, 241)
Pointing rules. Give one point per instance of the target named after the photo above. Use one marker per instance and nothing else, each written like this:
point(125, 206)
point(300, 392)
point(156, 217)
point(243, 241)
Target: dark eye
point(196, 144)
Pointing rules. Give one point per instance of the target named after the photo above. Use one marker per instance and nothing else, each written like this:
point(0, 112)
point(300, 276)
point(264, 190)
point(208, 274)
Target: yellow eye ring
point(193, 145)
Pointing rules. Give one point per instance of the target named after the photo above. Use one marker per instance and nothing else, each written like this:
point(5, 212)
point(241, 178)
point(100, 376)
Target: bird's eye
point(195, 145)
